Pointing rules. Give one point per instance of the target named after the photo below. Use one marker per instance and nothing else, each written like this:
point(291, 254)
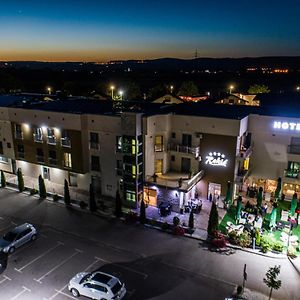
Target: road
point(153, 264)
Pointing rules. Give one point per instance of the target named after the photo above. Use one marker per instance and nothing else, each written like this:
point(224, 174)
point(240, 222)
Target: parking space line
point(60, 291)
point(14, 223)
point(25, 289)
point(40, 256)
point(56, 267)
point(4, 279)
point(65, 294)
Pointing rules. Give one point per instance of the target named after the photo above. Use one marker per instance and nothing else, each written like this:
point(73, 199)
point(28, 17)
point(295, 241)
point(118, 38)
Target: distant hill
point(225, 64)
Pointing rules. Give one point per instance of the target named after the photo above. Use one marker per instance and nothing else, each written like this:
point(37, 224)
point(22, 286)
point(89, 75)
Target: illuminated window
point(158, 147)
point(67, 160)
point(246, 164)
point(38, 134)
point(158, 166)
point(51, 136)
point(130, 196)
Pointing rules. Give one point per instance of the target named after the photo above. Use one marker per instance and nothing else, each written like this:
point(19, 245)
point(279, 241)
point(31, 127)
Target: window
point(158, 166)
point(19, 133)
point(187, 140)
point(38, 134)
point(51, 136)
point(94, 140)
point(118, 144)
point(67, 160)
point(130, 196)
point(8, 145)
point(1, 148)
point(40, 155)
point(65, 139)
point(172, 157)
point(95, 163)
point(52, 157)
point(21, 152)
point(159, 146)
point(173, 135)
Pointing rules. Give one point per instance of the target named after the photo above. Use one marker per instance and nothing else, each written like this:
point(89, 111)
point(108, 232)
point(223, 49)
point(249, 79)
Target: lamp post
point(49, 89)
point(112, 92)
point(171, 88)
point(230, 89)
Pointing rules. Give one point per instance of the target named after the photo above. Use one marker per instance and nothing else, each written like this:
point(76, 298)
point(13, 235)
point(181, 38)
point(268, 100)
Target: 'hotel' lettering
point(286, 125)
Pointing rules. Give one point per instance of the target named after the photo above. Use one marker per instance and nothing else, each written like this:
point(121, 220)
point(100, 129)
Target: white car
point(17, 237)
point(97, 285)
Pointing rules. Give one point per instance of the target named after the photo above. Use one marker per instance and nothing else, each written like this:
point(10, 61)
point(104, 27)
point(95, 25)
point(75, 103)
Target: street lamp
point(171, 88)
point(49, 89)
point(230, 89)
point(121, 95)
point(298, 88)
point(112, 92)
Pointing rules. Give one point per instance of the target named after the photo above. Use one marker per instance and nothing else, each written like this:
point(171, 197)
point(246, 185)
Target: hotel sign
point(286, 125)
point(216, 159)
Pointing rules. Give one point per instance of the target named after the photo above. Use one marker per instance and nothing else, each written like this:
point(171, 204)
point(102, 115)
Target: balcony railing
point(184, 149)
point(52, 140)
point(158, 147)
point(65, 142)
point(40, 158)
point(94, 145)
point(19, 135)
point(293, 149)
point(38, 138)
point(291, 173)
point(52, 161)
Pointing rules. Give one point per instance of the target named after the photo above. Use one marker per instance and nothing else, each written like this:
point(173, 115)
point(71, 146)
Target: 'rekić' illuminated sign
point(216, 159)
point(286, 125)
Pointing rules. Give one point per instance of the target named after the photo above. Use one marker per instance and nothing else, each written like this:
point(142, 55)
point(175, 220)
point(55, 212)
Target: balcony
point(184, 149)
point(291, 173)
point(19, 135)
point(94, 145)
point(40, 159)
point(51, 140)
point(159, 148)
point(52, 161)
point(66, 142)
point(293, 149)
point(37, 138)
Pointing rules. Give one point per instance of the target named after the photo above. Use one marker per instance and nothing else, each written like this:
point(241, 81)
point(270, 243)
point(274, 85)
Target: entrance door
point(185, 165)
point(150, 196)
point(96, 181)
point(73, 179)
point(46, 173)
point(214, 189)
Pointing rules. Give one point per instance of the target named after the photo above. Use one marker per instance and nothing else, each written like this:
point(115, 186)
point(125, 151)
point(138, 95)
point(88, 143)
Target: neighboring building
point(239, 99)
point(153, 151)
point(168, 99)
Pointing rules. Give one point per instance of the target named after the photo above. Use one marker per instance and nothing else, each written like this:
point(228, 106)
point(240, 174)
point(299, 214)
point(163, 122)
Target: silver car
point(17, 237)
point(97, 285)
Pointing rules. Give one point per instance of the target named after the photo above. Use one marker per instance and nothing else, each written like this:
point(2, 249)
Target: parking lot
point(42, 269)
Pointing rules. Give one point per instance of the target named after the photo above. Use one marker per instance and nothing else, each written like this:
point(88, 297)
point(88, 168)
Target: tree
point(213, 221)
point(42, 188)
point(293, 205)
point(273, 216)
point(157, 91)
point(93, 205)
point(258, 89)
point(142, 212)
point(20, 180)
point(67, 197)
point(3, 179)
point(227, 199)
point(238, 208)
point(259, 197)
point(278, 189)
point(118, 211)
point(133, 91)
point(191, 219)
point(188, 88)
point(271, 279)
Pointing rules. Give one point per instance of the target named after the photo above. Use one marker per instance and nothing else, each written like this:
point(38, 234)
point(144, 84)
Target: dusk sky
point(77, 30)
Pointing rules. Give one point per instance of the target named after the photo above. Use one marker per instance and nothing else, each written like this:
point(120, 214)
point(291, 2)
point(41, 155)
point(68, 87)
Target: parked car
point(3, 261)
point(17, 237)
point(97, 285)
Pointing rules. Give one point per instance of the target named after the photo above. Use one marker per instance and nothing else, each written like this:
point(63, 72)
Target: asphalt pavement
point(152, 264)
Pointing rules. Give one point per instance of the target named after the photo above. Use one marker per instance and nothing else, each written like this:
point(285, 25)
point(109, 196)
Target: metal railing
point(94, 145)
point(184, 149)
point(65, 142)
point(293, 149)
point(159, 147)
point(291, 173)
point(38, 138)
point(52, 140)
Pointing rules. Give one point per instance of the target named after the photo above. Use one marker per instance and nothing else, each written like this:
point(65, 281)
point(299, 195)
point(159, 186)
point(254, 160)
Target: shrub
point(55, 197)
point(291, 252)
point(244, 239)
point(278, 246)
point(257, 237)
point(67, 197)
point(118, 208)
point(20, 180)
point(83, 204)
point(93, 205)
point(219, 242)
point(164, 226)
point(233, 237)
point(42, 187)
point(176, 221)
point(213, 221)
point(191, 219)
point(33, 191)
point(142, 212)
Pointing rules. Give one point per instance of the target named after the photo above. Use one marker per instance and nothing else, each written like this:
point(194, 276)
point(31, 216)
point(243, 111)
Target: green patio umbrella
point(273, 216)
point(238, 209)
point(293, 205)
point(259, 197)
point(278, 189)
point(227, 199)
